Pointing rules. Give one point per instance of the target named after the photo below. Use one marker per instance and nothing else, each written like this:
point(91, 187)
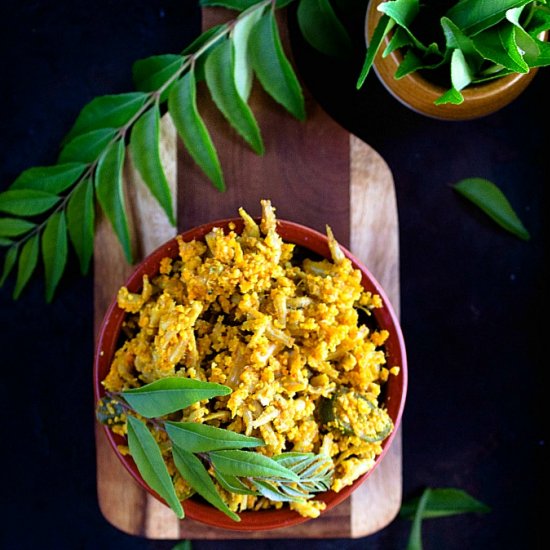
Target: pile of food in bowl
point(253, 368)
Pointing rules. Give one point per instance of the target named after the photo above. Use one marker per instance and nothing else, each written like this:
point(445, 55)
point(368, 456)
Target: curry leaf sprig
point(47, 207)
point(478, 40)
point(197, 449)
point(437, 503)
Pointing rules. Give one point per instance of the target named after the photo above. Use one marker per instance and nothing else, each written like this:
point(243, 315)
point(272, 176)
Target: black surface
point(473, 296)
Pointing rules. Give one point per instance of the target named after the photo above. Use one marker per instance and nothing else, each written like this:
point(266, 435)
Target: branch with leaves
point(46, 207)
point(201, 452)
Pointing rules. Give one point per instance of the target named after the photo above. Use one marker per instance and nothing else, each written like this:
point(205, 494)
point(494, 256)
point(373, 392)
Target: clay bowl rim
point(418, 93)
point(317, 243)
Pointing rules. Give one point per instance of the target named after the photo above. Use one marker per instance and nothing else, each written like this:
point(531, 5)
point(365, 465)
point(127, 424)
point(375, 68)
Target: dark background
point(473, 295)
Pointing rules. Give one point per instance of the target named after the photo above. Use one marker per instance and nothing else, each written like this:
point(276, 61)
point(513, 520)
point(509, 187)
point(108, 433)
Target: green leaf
point(144, 144)
point(442, 503)
point(87, 147)
point(499, 46)
point(9, 262)
point(219, 71)
point(415, 538)
point(27, 262)
point(110, 193)
point(487, 196)
point(456, 39)
point(273, 68)
point(182, 545)
point(148, 458)
point(26, 202)
point(322, 29)
point(151, 73)
point(204, 39)
point(171, 394)
point(539, 22)
point(410, 63)
point(200, 438)
point(53, 179)
point(194, 472)
point(239, 5)
point(14, 227)
point(399, 39)
point(461, 74)
point(54, 251)
point(182, 104)
point(383, 27)
point(249, 464)
point(452, 96)
point(403, 12)
point(4, 241)
point(233, 484)
point(543, 60)
point(108, 111)
point(80, 222)
point(473, 16)
point(241, 51)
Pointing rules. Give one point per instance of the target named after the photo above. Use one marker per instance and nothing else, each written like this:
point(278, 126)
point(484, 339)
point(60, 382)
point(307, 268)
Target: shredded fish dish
point(289, 334)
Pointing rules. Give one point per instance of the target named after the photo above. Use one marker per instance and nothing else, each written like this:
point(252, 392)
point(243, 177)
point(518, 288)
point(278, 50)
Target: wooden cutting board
point(315, 173)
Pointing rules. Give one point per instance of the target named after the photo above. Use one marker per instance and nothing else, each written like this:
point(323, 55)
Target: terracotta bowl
point(419, 94)
point(395, 389)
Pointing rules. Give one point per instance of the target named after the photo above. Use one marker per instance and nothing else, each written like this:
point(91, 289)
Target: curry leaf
point(219, 71)
point(499, 46)
point(27, 262)
point(248, 464)
point(151, 73)
point(321, 27)
point(444, 502)
point(207, 39)
point(53, 179)
point(415, 538)
point(199, 438)
point(80, 222)
point(87, 147)
point(171, 394)
point(4, 241)
point(148, 458)
point(54, 251)
point(108, 111)
point(383, 27)
point(452, 96)
point(144, 144)
point(273, 68)
point(233, 484)
point(26, 202)
point(403, 12)
point(473, 16)
point(239, 5)
point(9, 262)
point(461, 74)
point(182, 104)
point(240, 35)
point(543, 60)
point(14, 227)
point(110, 193)
point(193, 471)
point(456, 39)
point(487, 196)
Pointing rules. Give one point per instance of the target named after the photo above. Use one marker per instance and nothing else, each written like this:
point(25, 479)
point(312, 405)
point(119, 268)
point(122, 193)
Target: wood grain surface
point(315, 173)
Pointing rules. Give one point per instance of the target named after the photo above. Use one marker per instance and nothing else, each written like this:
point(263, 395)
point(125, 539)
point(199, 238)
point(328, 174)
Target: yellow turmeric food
point(286, 335)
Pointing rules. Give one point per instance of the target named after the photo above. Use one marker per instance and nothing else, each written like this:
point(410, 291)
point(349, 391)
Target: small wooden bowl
point(395, 388)
point(419, 94)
